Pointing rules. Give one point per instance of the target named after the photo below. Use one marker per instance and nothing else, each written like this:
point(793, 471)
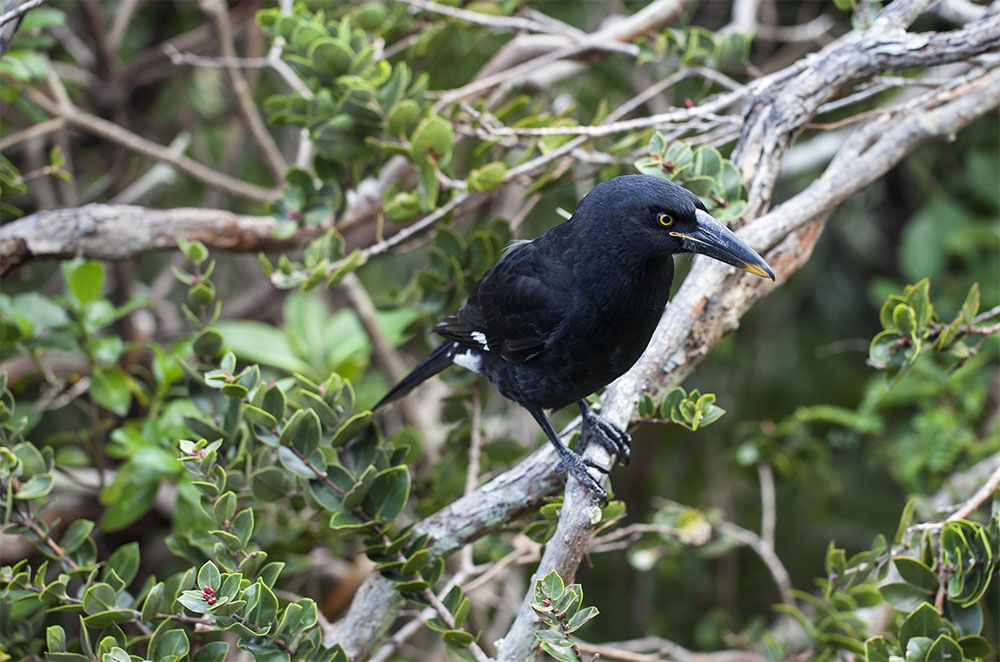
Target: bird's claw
point(577, 465)
point(609, 435)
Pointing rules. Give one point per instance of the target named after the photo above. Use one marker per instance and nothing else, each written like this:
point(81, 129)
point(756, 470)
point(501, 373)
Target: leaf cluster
point(560, 607)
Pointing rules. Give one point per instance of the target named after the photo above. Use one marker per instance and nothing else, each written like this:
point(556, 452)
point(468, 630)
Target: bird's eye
point(665, 220)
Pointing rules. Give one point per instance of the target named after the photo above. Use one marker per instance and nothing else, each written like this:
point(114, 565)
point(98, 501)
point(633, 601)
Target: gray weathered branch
point(116, 232)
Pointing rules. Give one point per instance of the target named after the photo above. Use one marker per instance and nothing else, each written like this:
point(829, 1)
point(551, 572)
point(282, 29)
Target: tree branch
point(272, 155)
point(117, 232)
point(137, 143)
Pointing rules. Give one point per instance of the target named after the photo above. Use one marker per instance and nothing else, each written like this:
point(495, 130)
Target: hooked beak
point(712, 238)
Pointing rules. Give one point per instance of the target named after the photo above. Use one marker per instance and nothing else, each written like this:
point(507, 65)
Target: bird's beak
point(712, 238)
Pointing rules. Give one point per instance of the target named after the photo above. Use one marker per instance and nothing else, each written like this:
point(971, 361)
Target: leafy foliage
point(560, 606)
point(703, 171)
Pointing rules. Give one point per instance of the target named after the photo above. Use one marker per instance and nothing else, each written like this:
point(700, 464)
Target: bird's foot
point(609, 435)
point(578, 466)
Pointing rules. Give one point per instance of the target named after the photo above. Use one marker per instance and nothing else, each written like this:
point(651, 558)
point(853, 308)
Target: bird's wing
point(511, 312)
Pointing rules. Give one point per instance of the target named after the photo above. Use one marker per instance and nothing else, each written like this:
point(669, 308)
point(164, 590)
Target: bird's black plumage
point(560, 317)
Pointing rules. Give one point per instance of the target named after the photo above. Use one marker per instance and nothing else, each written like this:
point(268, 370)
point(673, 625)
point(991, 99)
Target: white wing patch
point(514, 245)
point(469, 360)
point(480, 338)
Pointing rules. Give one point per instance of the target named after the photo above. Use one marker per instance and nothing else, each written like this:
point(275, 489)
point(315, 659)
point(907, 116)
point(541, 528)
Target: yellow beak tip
point(759, 270)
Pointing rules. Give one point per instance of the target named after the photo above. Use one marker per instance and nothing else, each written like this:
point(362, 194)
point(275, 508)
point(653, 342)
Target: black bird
point(560, 317)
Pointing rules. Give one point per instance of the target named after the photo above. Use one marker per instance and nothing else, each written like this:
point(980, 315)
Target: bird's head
point(664, 218)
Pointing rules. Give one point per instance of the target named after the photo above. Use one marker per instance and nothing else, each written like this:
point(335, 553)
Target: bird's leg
point(612, 437)
point(573, 462)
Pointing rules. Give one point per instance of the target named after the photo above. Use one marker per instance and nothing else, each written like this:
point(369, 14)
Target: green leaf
point(257, 342)
point(98, 598)
point(905, 319)
point(413, 586)
point(195, 251)
point(214, 651)
point(172, 642)
point(351, 428)
point(402, 118)
point(209, 575)
point(974, 647)
point(55, 639)
point(37, 487)
point(549, 588)
point(916, 572)
point(968, 621)
point(924, 621)
point(331, 57)
point(124, 561)
point(131, 503)
point(346, 522)
point(103, 619)
point(433, 137)
point(905, 520)
point(260, 417)
point(297, 465)
point(580, 618)
point(488, 177)
point(39, 310)
point(707, 163)
point(561, 653)
point(153, 602)
point(353, 497)
point(85, 279)
point(243, 526)
point(902, 596)
point(876, 650)
point(308, 433)
point(110, 388)
point(945, 648)
point(647, 407)
point(970, 307)
point(917, 648)
point(458, 638)
point(388, 495)
point(417, 561)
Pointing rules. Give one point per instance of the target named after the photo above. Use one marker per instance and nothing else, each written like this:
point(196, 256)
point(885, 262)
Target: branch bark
point(117, 232)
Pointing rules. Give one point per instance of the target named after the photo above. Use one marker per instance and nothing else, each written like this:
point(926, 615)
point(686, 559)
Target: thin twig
point(968, 507)
point(137, 143)
point(472, 472)
point(410, 230)
point(177, 57)
point(478, 18)
point(40, 129)
point(123, 15)
point(809, 31)
point(765, 552)
point(449, 620)
point(19, 11)
point(219, 13)
point(767, 503)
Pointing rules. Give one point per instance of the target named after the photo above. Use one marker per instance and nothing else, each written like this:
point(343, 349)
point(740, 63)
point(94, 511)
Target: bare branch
point(479, 18)
point(19, 11)
point(248, 108)
point(767, 503)
point(40, 129)
point(611, 38)
point(137, 143)
point(764, 551)
point(117, 232)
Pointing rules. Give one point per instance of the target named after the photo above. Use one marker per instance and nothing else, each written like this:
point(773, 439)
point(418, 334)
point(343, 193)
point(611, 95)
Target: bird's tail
point(438, 360)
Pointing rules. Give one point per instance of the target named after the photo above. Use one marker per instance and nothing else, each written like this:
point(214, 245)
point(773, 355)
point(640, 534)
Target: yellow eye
point(665, 220)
